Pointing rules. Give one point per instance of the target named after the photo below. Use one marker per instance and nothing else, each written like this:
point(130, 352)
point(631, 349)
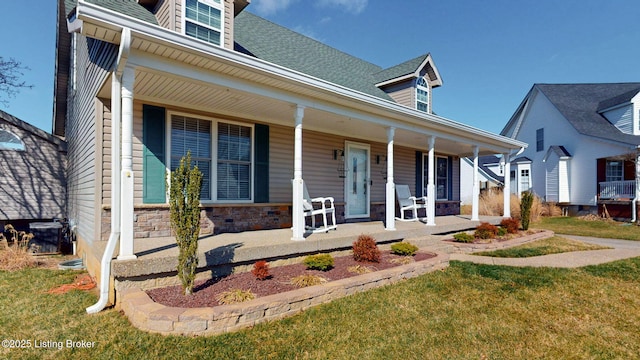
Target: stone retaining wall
point(470, 248)
point(147, 315)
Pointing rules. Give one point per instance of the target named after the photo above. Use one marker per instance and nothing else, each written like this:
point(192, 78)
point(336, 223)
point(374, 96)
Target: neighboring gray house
point(584, 144)
point(32, 173)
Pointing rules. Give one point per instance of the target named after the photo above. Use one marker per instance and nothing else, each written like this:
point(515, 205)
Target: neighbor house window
point(441, 177)
point(10, 141)
point(540, 140)
point(524, 180)
point(615, 170)
point(203, 20)
point(422, 95)
point(190, 134)
point(234, 162)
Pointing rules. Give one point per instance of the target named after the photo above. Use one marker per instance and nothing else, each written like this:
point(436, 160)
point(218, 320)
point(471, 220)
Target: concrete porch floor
point(160, 255)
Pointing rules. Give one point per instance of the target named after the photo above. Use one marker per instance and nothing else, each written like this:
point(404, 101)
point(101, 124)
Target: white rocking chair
point(325, 207)
point(408, 202)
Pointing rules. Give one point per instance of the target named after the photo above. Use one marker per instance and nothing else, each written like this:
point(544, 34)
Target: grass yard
point(467, 311)
point(552, 245)
point(576, 226)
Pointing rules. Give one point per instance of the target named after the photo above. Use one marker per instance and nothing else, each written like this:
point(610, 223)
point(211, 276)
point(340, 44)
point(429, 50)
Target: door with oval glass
point(357, 182)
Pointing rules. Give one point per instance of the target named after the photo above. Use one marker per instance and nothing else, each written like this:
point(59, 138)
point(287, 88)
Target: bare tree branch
point(11, 71)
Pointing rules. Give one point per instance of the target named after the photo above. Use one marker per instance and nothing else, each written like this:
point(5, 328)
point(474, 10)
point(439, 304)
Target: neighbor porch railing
point(612, 190)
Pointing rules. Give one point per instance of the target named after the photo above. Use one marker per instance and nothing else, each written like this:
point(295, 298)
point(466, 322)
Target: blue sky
point(489, 53)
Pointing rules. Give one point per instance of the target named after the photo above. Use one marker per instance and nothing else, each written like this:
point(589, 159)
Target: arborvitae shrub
point(404, 249)
point(322, 262)
point(463, 238)
point(486, 231)
point(365, 249)
point(512, 225)
point(261, 270)
point(526, 201)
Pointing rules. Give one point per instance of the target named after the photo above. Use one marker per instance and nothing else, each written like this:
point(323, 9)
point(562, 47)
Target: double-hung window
point(191, 134)
point(422, 95)
point(614, 170)
point(223, 152)
point(203, 20)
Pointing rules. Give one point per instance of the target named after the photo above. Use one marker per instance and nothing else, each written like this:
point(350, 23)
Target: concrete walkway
point(621, 249)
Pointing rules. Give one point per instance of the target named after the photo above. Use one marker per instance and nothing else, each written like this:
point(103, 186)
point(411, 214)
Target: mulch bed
point(498, 239)
point(205, 292)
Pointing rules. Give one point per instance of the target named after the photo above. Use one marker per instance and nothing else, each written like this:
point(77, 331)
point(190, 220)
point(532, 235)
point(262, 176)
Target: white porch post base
point(126, 217)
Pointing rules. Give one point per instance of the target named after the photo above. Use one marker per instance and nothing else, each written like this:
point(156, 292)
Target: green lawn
point(552, 245)
point(466, 311)
point(576, 226)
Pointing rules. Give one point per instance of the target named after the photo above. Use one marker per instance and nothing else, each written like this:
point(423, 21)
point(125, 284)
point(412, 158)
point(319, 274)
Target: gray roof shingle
point(126, 7)
point(579, 104)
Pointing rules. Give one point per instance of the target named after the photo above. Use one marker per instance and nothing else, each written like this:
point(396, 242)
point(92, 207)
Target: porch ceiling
point(211, 100)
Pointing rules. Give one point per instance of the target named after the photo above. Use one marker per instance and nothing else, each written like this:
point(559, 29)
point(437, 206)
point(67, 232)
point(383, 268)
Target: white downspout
point(116, 106)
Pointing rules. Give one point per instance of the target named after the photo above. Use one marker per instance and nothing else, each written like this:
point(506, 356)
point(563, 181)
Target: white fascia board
point(412, 117)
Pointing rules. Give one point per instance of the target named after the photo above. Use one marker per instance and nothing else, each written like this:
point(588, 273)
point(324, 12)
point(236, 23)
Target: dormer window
point(10, 141)
point(203, 20)
point(422, 95)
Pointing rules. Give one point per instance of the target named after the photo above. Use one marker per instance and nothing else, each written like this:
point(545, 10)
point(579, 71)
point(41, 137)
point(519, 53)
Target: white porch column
point(431, 186)
point(476, 186)
point(126, 174)
point(390, 204)
point(506, 191)
point(297, 216)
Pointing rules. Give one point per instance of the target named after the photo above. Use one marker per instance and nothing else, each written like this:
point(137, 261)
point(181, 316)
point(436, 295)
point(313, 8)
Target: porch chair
point(408, 202)
point(324, 208)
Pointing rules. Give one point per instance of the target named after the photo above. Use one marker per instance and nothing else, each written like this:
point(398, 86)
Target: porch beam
point(297, 216)
point(431, 187)
point(506, 190)
point(476, 187)
point(126, 174)
point(390, 223)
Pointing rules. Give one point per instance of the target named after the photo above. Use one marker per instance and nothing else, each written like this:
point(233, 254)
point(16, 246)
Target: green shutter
point(261, 157)
point(153, 152)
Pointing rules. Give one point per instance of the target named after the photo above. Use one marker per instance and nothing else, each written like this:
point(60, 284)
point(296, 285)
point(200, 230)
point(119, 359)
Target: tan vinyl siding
point(93, 57)
point(404, 164)
point(106, 155)
point(280, 163)
point(455, 195)
point(228, 24)
point(163, 13)
point(403, 93)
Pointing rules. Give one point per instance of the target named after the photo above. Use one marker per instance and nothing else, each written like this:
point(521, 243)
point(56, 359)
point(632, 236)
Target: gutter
point(116, 114)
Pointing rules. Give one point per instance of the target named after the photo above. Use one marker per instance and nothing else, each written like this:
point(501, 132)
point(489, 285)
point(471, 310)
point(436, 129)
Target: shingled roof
point(580, 103)
point(127, 7)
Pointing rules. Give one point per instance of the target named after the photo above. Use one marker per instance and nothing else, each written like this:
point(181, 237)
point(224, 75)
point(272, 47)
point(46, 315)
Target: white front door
point(357, 182)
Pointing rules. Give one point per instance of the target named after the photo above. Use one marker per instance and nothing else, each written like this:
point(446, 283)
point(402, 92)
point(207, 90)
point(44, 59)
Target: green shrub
point(184, 207)
point(502, 231)
point(404, 249)
point(512, 225)
point(463, 238)
point(526, 201)
point(322, 262)
point(365, 249)
point(485, 231)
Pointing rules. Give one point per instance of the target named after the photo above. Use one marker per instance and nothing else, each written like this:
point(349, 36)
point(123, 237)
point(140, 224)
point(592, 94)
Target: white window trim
point(427, 90)
point(607, 167)
point(222, 20)
point(214, 155)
